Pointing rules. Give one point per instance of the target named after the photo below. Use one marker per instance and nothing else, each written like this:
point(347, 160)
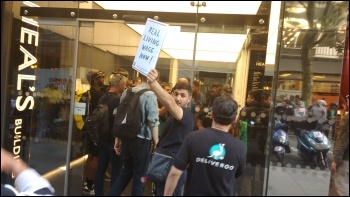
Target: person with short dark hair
point(163, 113)
point(179, 123)
point(28, 182)
point(212, 94)
point(215, 162)
point(227, 90)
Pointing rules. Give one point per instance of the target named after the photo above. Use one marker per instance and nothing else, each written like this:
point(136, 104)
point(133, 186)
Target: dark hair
point(183, 86)
point(224, 110)
point(287, 101)
point(257, 95)
point(196, 83)
point(165, 84)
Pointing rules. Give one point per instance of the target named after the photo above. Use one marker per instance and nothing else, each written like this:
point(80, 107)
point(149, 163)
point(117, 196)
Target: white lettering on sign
point(26, 37)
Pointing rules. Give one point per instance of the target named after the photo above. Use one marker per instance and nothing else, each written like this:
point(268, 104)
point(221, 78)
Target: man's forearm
point(170, 184)
point(155, 137)
point(18, 167)
point(172, 180)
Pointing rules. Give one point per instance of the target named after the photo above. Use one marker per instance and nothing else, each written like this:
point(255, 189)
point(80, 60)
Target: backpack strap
point(140, 92)
point(137, 96)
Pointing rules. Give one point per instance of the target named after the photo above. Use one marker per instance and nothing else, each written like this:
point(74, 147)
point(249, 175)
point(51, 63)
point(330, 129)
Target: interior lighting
point(285, 75)
point(222, 7)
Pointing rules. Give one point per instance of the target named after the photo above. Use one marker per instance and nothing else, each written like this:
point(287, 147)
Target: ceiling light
point(319, 77)
point(222, 7)
point(296, 10)
point(210, 46)
point(285, 75)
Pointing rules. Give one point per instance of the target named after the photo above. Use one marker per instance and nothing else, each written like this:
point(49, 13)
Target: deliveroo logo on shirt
point(217, 152)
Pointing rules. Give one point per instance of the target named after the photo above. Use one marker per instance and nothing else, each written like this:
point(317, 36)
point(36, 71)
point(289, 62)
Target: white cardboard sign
point(150, 45)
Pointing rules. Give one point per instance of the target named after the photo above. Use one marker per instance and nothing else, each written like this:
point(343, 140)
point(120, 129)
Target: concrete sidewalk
point(298, 182)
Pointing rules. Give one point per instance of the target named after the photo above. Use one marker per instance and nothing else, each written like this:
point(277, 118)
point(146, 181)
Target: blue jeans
point(104, 157)
point(160, 185)
point(135, 157)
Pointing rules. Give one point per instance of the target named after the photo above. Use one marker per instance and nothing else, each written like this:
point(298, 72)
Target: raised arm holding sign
point(150, 45)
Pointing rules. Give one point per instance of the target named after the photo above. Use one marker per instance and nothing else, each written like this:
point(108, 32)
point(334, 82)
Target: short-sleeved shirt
point(175, 131)
point(149, 110)
point(214, 159)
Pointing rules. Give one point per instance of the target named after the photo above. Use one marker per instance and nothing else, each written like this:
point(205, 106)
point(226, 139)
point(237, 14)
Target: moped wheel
point(320, 161)
point(280, 157)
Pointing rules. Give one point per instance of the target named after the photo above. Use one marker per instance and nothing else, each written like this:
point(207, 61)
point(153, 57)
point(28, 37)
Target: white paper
point(150, 45)
point(79, 108)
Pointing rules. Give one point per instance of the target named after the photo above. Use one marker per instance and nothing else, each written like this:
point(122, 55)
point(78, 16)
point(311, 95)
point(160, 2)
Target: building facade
point(288, 48)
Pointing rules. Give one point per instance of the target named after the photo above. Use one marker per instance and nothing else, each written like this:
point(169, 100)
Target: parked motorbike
point(313, 146)
point(280, 142)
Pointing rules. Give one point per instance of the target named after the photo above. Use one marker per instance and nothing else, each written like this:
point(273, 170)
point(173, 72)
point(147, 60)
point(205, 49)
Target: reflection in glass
point(309, 73)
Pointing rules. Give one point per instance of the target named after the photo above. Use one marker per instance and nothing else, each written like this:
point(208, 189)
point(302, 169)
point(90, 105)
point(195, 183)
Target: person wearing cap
point(97, 90)
point(340, 163)
point(226, 90)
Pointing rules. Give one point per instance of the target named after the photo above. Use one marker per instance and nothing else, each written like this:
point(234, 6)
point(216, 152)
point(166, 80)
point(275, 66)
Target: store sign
point(256, 70)
point(24, 100)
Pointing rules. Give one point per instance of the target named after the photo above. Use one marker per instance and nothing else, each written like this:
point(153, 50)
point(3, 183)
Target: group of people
point(294, 110)
point(210, 167)
point(173, 108)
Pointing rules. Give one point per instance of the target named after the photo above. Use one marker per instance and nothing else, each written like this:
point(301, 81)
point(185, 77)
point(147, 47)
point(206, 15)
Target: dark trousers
point(106, 156)
point(135, 157)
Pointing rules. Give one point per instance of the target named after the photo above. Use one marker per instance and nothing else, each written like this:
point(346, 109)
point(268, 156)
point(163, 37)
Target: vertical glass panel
point(218, 54)
point(309, 74)
point(54, 83)
point(41, 73)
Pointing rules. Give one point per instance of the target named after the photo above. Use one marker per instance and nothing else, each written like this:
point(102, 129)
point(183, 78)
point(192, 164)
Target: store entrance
point(210, 48)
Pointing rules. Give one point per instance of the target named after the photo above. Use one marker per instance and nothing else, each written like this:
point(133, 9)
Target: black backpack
point(97, 123)
point(128, 121)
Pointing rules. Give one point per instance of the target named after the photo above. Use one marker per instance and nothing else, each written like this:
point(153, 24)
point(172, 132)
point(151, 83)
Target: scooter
point(280, 142)
point(313, 146)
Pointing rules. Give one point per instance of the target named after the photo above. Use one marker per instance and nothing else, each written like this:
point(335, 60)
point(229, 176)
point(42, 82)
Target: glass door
point(202, 44)
point(40, 82)
point(106, 45)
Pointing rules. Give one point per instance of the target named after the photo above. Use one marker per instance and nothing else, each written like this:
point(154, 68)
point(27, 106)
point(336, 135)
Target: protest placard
point(150, 45)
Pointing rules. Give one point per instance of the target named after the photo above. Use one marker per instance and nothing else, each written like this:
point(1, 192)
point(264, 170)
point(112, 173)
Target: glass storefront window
point(309, 74)
point(50, 55)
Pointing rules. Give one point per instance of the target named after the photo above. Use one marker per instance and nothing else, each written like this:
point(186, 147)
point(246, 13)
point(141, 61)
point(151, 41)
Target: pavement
point(282, 181)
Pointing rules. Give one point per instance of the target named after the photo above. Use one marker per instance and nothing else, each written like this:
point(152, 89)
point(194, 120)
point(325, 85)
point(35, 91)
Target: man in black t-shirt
point(97, 90)
point(212, 157)
point(179, 123)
